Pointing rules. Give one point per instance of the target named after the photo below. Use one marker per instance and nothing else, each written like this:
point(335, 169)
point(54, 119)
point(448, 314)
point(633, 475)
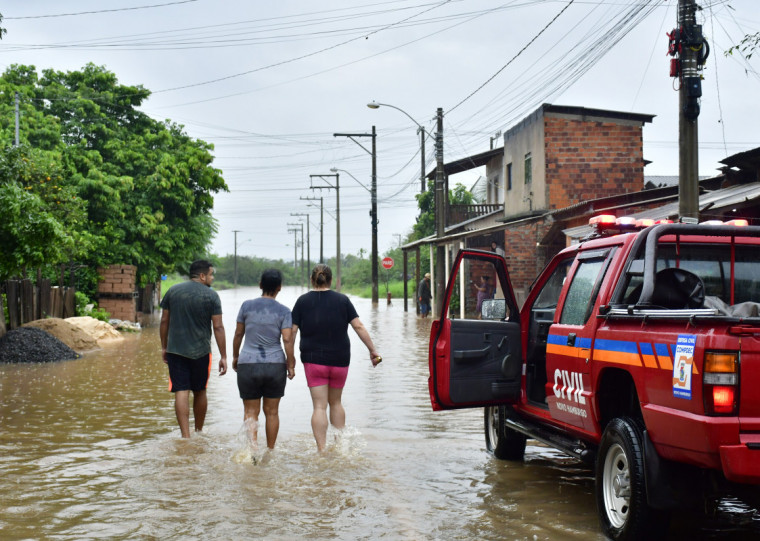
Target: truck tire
point(504, 443)
point(621, 496)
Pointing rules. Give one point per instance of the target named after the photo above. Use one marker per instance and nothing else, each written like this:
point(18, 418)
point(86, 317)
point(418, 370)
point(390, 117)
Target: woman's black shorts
point(261, 379)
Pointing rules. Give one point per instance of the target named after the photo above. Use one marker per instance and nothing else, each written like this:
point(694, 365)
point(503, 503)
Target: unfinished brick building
point(116, 291)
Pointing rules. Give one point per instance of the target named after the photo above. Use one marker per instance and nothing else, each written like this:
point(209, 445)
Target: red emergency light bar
point(609, 223)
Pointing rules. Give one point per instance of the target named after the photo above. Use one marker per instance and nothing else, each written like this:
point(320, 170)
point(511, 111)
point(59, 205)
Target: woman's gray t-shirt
point(264, 318)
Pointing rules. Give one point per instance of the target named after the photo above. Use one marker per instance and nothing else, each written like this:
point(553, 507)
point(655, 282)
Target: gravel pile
point(33, 345)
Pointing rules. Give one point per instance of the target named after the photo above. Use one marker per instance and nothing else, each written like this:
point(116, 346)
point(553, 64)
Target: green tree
point(31, 235)
point(125, 187)
point(425, 225)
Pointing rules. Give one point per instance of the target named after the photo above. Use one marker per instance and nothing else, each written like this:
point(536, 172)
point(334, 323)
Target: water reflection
point(90, 449)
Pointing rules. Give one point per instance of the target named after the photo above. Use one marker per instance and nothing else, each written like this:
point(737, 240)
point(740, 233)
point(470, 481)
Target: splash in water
point(248, 445)
point(346, 442)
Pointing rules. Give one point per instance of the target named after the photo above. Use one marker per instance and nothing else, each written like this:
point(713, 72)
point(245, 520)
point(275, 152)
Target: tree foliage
point(120, 186)
point(747, 46)
point(425, 225)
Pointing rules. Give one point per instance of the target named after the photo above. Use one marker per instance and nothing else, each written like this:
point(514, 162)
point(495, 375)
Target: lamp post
point(373, 211)
point(337, 219)
point(420, 130)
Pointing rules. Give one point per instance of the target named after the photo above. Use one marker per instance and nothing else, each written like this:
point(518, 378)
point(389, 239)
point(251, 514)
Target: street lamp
point(420, 130)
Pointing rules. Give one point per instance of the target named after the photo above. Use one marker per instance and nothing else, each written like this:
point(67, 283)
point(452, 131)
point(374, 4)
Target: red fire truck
point(636, 350)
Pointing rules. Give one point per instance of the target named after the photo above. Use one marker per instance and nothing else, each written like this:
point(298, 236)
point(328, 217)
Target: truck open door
point(475, 350)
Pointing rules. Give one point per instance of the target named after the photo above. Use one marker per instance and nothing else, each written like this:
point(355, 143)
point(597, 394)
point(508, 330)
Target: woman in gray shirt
point(262, 365)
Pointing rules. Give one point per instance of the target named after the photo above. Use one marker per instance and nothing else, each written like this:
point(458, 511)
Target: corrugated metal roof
point(718, 199)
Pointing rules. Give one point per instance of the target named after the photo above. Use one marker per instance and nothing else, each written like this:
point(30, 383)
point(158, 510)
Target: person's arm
point(221, 342)
point(288, 339)
point(236, 341)
point(163, 332)
point(363, 334)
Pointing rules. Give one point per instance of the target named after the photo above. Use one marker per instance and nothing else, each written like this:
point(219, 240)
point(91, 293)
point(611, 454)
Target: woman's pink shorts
point(319, 374)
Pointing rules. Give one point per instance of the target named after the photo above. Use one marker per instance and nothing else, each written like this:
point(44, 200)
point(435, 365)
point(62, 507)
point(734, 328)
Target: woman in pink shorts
point(323, 317)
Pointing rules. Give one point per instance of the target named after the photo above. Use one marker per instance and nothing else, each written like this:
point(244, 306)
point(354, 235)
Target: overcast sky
point(269, 83)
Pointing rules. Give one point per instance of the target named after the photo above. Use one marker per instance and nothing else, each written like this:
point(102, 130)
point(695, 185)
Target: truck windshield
point(712, 263)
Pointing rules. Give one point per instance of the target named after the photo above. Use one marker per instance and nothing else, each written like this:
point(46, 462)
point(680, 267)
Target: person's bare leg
point(182, 409)
point(200, 405)
point(271, 410)
point(337, 413)
point(319, 416)
point(251, 409)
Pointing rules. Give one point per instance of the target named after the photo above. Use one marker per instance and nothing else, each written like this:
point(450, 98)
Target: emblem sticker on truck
point(682, 365)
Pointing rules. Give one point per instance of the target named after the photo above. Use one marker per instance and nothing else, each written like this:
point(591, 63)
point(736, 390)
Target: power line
point(135, 8)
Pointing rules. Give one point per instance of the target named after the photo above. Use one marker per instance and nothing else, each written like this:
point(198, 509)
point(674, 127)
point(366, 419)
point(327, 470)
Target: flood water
point(90, 448)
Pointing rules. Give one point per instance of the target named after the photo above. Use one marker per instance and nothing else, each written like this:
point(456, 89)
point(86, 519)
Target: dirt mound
point(103, 332)
point(33, 345)
point(72, 335)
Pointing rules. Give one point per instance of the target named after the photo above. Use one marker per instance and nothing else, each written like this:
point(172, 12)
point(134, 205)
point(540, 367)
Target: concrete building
point(561, 165)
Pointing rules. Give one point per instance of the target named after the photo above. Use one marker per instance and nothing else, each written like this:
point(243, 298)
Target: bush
point(85, 307)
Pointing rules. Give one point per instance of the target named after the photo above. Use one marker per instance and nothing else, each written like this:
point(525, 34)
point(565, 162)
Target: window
point(582, 293)
point(550, 293)
point(509, 177)
point(528, 168)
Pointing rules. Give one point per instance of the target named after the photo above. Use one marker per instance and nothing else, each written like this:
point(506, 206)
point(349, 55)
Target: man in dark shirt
point(190, 310)
point(424, 296)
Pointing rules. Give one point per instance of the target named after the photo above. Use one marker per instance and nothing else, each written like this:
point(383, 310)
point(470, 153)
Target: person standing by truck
point(189, 311)
point(424, 295)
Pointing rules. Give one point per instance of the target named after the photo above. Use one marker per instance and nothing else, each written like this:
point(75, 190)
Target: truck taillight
point(721, 383)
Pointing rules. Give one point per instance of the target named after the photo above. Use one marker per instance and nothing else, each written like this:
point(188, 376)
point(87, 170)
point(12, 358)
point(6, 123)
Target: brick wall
point(524, 258)
point(116, 289)
point(591, 159)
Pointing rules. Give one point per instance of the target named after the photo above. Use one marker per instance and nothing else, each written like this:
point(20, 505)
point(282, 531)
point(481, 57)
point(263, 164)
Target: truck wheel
point(621, 497)
point(504, 443)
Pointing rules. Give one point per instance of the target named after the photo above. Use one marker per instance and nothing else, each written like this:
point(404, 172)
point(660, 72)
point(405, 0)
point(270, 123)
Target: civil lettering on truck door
point(570, 343)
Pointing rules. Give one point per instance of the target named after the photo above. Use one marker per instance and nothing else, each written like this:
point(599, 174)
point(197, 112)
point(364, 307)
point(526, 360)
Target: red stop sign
point(387, 262)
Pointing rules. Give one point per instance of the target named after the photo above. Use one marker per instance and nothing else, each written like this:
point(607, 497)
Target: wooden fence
point(27, 302)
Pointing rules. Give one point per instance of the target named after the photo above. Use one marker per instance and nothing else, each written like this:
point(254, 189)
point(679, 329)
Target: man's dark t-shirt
point(323, 318)
point(191, 305)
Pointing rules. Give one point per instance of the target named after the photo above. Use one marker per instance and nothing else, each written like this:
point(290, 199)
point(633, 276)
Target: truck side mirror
point(495, 309)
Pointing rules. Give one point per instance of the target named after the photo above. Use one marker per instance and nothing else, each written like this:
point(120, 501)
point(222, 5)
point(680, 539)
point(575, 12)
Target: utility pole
point(373, 214)
point(373, 192)
point(690, 48)
point(18, 114)
point(236, 231)
point(337, 219)
point(440, 217)
point(308, 239)
point(321, 225)
point(304, 271)
point(295, 247)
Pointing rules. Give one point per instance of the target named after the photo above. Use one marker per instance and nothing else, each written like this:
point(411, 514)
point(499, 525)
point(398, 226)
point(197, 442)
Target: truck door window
point(582, 292)
point(476, 283)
